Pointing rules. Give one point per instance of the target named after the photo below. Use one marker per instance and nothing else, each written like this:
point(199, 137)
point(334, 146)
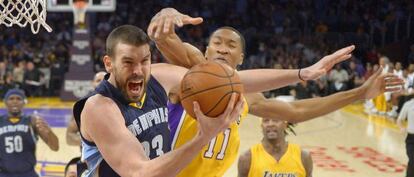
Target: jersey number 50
point(13, 144)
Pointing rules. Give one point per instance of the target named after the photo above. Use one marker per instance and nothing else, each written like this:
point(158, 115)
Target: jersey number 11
point(210, 151)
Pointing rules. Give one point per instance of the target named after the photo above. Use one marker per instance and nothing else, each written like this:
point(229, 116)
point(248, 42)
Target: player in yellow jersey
point(274, 156)
point(227, 46)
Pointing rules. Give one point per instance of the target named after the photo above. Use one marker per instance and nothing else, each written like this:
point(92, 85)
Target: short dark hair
point(73, 161)
point(128, 34)
point(242, 40)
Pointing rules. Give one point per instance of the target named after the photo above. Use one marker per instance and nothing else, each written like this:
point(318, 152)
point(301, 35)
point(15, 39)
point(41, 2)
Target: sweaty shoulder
point(99, 101)
point(98, 109)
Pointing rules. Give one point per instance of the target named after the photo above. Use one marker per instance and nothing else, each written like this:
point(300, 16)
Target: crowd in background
point(279, 34)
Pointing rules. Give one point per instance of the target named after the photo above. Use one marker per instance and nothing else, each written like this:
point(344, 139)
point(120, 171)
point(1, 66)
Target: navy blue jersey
point(17, 146)
point(148, 122)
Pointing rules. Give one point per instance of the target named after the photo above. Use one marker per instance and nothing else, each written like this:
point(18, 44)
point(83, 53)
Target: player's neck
point(112, 80)
point(11, 114)
point(276, 146)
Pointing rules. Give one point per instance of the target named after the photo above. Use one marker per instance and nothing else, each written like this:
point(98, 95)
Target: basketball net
point(23, 12)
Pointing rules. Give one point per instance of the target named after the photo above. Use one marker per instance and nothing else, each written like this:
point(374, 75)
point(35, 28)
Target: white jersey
point(407, 112)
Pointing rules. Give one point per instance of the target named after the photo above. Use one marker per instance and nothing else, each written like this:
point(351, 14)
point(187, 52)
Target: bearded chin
point(124, 91)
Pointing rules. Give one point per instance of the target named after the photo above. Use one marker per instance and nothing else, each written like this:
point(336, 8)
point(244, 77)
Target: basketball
point(211, 84)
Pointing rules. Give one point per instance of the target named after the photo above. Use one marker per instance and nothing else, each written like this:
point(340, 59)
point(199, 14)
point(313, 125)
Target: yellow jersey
point(217, 156)
point(265, 165)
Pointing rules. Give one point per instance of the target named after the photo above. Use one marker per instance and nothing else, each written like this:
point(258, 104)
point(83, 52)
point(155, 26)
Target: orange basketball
point(211, 85)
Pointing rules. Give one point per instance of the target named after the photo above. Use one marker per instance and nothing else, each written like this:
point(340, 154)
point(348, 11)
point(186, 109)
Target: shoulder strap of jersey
point(158, 93)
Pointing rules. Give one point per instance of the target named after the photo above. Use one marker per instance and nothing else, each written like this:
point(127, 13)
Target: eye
point(127, 62)
point(146, 61)
point(216, 42)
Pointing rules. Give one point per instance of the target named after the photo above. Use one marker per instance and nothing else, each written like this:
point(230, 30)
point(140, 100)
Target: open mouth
point(135, 87)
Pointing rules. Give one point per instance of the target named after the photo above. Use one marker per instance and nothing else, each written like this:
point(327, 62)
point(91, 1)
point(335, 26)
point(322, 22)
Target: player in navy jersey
point(18, 136)
point(130, 104)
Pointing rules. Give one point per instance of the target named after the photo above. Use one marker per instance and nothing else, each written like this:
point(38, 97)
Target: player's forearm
point(172, 163)
point(260, 80)
point(311, 108)
point(52, 141)
point(73, 139)
point(174, 50)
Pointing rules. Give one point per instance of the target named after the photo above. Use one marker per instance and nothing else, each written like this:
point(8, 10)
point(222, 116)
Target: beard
point(123, 87)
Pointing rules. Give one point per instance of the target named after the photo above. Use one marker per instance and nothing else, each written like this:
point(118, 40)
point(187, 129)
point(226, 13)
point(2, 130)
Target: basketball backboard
point(93, 5)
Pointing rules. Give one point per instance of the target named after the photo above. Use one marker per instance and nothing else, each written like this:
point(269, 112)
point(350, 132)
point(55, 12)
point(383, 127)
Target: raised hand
point(326, 63)
point(379, 83)
point(41, 125)
point(164, 21)
point(209, 127)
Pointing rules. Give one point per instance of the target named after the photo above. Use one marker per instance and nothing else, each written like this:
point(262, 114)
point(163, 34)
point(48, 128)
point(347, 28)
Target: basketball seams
point(195, 93)
point(205, 72)
point(218, 102)
point(229, 77)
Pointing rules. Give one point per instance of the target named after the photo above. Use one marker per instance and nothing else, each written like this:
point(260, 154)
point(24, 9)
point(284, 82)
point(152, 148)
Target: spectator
point(3, 72)
point(31, 79)
point(18, 73)
point(355, 78)
point(338, 78)
point(398, 69)
point(304, 89)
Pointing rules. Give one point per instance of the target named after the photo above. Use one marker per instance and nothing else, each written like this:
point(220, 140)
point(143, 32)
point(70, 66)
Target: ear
point(205, 52)
point(241, 59)
point(107, 60)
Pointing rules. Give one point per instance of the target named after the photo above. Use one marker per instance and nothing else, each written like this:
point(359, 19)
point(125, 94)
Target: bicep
point(168, 75)
point(113, 139)
point(244, 164)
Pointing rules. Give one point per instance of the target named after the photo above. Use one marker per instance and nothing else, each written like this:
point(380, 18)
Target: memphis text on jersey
point(148, 120)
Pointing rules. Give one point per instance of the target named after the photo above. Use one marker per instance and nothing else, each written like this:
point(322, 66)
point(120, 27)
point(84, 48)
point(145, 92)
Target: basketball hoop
point(79, 11)
point(22, 12)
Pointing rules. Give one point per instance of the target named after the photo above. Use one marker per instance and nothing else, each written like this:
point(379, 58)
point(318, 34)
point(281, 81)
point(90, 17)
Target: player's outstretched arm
point(259, 80)
point(302, 110)
point(120, 148)
point(243, 166)
point(161, 31)
point(45, 132)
